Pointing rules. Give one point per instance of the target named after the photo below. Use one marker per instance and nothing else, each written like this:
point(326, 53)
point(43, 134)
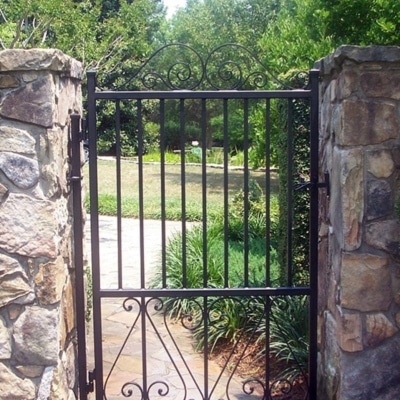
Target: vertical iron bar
point(76, 184)
point(289, 194)
point(314, 168)
point(183, 188)
point(163, 202)
point(268, 192)
point(118, 188)
point(144, 348)
point(204, 187)
point(226, 194)
point(141, 194)
point(94, 229)
point(142, 249)
point(246, 190)
point(206, 349)
point(267, 311)
point(205, 255)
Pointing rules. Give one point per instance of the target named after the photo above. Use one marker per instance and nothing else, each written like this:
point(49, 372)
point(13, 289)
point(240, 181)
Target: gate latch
point(307, 185)
point(90, 384)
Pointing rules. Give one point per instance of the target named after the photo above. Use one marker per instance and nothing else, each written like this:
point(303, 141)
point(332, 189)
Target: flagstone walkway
point(174, 369)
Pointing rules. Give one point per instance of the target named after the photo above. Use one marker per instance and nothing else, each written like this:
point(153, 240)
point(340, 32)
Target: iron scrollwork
point(178, 66)
point(213, 314)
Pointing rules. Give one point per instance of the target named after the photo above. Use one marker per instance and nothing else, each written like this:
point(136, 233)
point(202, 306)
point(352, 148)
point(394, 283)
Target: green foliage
point(300, 198)
point(296, 39)
point(86, 30)
point(256, 206)
point(244, 22)
point(152, 138)
point(173, 134)
point(214, 250)
point(235, 126)
point(213, 156)
point(195, 247)
point(227, 316)
point(362, 22)
point(290, 334)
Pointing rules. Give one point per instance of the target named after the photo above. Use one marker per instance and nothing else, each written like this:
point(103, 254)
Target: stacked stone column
point(38, 91)
point(359, 275)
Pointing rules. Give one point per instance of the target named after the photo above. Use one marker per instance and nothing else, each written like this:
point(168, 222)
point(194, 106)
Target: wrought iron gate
point(191, 294)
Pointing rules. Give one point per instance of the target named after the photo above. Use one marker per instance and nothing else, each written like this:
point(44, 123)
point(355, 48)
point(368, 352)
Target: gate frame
point(312, 92)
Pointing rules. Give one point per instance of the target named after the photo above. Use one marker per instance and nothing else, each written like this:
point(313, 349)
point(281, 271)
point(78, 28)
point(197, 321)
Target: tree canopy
point(102, 34)
point(106, 34)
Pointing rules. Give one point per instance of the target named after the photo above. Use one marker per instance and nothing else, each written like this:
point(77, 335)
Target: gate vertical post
point(314, 166)
point(76, 184)
point(94, 230)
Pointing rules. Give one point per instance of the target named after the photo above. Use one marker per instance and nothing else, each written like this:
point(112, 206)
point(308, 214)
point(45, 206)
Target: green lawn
point(107, 189)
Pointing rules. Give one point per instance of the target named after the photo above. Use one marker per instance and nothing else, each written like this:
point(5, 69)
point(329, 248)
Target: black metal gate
point(227, 298)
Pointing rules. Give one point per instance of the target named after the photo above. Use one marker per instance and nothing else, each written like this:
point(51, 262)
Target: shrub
point(300, 198)
point(227, 317)
point(290, 334)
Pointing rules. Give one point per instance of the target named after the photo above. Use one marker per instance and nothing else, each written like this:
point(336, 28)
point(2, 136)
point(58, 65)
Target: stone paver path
point(174, 369)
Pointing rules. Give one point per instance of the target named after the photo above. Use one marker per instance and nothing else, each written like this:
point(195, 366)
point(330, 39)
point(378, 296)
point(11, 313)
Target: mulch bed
point(248, 366)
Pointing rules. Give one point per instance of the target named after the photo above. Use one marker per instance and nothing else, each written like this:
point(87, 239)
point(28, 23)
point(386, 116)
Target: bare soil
point(248, 366)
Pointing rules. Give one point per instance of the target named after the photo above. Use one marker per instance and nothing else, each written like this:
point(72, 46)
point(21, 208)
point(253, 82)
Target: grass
point(107, 191)
point(194, 155)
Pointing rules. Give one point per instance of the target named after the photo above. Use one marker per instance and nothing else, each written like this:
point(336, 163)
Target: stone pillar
point(38, 91)
point(359, 276)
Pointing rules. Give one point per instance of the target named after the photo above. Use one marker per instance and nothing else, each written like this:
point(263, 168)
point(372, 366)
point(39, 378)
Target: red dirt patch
point(241, 358)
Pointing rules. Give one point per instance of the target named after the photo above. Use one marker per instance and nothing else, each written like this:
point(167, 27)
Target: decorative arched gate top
point(178, 66)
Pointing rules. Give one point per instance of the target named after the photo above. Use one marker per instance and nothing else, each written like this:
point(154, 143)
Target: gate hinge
point(90, 384)
point(83, 132)
point(307, 185)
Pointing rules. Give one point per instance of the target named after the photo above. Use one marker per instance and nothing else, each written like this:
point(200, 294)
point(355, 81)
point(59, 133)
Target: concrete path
point(173, 368)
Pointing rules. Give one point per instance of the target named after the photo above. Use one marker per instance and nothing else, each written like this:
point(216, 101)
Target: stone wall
point(360, 231)
point(38, 91)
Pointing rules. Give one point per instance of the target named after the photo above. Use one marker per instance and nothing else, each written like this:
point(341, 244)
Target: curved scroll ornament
point(172, 67)
point(160, 387)
point(284, 386)
point(129, 389)
point(233, 67)
point(251, 386)
point(178, 66)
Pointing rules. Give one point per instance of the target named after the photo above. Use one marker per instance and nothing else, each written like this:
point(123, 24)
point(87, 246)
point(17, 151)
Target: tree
point(362, 22)
point(104, 35)
point(209, 23)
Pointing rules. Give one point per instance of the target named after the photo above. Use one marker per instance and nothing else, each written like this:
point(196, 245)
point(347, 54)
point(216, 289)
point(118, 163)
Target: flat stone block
point(367, 122)
point(38, 60)
point(379, 199)
point(378, 328)
point(349, 332)
point(381, 84)
point(380, 163)
point(365, 282)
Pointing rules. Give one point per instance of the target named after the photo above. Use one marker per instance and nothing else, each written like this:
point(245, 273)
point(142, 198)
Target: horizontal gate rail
point(243, 292)
point(222, 94)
